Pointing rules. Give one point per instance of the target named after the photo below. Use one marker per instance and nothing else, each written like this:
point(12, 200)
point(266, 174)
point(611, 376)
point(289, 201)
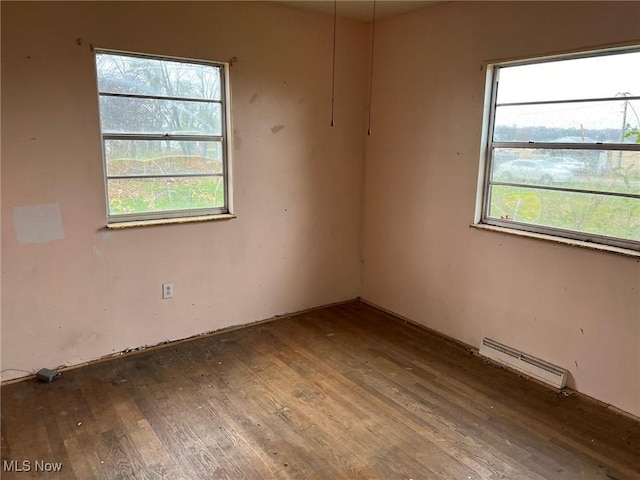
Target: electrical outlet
point(167, 290)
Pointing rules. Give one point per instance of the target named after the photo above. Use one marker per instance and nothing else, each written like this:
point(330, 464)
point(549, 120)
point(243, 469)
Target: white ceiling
point(361, 10)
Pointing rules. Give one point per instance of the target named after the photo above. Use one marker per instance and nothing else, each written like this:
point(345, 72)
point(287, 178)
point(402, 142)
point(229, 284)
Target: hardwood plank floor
point(345, 392)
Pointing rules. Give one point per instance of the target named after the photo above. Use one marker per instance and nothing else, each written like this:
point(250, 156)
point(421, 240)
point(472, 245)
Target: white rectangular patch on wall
point(38, 223)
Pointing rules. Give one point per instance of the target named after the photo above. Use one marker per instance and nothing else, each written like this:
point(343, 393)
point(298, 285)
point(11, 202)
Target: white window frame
point(171, 216)
point(487, 146)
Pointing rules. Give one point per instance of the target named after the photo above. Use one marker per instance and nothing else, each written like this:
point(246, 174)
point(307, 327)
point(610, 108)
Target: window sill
point(565, 241)
point(170, 221)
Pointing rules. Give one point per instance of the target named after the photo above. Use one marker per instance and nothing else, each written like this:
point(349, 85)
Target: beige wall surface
point(574, 307)
point(73, 291)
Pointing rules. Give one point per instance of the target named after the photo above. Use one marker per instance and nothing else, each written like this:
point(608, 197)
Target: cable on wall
point(333, 79)
point(373, 35)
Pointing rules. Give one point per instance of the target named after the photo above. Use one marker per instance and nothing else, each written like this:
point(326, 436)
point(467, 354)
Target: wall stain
point(254, 98)
point(276, 129)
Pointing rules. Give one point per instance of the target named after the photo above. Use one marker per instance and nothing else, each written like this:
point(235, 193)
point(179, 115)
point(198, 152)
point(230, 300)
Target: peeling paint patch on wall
point(38, 223)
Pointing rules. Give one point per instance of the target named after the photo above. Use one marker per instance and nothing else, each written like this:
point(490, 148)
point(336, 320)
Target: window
point(164, 124)
point(562, 150)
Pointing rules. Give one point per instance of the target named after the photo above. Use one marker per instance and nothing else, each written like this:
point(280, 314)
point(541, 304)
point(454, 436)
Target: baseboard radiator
point(525, 363)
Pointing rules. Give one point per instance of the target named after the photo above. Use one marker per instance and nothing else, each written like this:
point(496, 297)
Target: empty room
point(320, 240)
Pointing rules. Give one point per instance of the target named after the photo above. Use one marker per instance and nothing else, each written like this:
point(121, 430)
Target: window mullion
point(159, 97)
point(568, 146)
point(575, 100)
point(607, 193)
point(163, 136)
point(176, 175)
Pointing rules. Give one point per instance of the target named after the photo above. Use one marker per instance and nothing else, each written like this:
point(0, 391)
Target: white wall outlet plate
point(167, 290)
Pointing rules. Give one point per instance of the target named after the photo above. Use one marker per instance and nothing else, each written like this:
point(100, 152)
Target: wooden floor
point(338, 393)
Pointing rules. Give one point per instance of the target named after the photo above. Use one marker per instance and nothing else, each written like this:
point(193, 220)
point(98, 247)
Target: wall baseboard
point(567, 391)
point(394, 316)
point(170, 343)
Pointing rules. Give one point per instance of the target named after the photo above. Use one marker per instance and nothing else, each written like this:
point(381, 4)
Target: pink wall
point(577, 308)
point(296, 240)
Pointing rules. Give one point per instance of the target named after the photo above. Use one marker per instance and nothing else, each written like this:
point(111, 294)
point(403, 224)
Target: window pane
point(160, 157)
point(145, 115)
point(562, 101)
point(584, 122)
point(599, 170)
point(166, 78)
point(164, 194)
point(587, 213)
point(580, 78)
